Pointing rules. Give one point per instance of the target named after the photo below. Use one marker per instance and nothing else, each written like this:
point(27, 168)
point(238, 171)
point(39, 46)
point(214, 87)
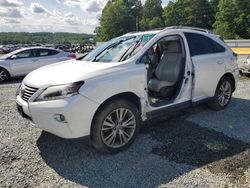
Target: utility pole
point(137, 23)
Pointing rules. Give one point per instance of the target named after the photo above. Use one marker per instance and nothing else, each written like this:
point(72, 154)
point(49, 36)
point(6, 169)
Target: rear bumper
point(77, 110)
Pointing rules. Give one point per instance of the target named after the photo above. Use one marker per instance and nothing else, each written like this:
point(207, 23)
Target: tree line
point(228, 18)
point(44, 38)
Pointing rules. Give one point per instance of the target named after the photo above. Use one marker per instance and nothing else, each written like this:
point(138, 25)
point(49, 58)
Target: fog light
point(60, 118)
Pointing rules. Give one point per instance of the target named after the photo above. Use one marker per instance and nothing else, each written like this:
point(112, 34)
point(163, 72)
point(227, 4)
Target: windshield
point(118, 49)
point(8, 55)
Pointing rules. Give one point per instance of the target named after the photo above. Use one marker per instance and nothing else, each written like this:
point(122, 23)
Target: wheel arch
point(231, 76)
point(5, 70)
point(130, 96)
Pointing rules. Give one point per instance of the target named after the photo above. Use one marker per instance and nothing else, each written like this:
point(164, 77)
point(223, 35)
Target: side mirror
point(13, 57)
point(146, 59)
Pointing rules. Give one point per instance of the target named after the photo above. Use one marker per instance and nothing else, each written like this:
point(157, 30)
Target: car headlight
point(60, 92)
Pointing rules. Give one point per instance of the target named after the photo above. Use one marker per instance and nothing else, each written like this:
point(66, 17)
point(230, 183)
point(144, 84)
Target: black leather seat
point(167, 73)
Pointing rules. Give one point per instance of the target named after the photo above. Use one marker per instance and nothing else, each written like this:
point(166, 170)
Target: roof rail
point(132, 32)
point(158, 29)
point(187, 27)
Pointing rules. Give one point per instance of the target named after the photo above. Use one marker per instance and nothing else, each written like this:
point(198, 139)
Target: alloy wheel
point(225, 93)
point(118, 128)
point(3, 75)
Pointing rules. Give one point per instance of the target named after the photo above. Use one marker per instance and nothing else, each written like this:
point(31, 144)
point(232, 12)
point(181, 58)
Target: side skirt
point(166, 110)
point(176, 107)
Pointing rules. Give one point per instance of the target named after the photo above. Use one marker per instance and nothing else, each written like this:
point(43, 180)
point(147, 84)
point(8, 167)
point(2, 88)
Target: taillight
point(73, 56)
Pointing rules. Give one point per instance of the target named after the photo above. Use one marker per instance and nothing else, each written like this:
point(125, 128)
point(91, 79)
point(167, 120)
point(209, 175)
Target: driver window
point(25, 54)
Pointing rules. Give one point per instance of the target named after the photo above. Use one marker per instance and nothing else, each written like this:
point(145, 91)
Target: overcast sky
point(77, 16)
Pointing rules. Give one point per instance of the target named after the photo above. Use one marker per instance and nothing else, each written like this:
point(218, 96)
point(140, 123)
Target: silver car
point(25, 60)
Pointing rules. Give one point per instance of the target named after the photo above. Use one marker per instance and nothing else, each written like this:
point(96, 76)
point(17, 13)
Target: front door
point(24, 62)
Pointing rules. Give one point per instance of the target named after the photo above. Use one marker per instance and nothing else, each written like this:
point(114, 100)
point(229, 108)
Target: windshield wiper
point(112, 46)
point(128, 52)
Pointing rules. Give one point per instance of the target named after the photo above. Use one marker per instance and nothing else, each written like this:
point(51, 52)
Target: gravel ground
point(196, 147)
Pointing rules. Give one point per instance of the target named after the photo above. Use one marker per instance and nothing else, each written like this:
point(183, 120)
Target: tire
point(247, 75)
point(4, 75)
point(224, 93)
point(110, 134)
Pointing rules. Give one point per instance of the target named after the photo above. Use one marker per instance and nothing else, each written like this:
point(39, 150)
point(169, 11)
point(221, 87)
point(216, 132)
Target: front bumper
point(78, 111)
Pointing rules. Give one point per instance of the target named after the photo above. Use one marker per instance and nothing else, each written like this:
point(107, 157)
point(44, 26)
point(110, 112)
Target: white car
point(245, 68)
point(127, 81)
point(25, 60)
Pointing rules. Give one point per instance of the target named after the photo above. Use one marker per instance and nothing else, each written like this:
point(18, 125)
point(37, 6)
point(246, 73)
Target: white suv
point(126, 81)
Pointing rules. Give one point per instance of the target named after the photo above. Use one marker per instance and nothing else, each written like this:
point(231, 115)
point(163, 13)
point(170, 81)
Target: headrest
point(174, 47)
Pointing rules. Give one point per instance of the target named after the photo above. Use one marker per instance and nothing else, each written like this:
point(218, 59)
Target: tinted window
point(25, 54)
point(217, 47)
point(200, 44)
point(53, 52)
point(47, 52)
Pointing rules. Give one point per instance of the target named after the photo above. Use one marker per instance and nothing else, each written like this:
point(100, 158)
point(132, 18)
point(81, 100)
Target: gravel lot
point(196, 147)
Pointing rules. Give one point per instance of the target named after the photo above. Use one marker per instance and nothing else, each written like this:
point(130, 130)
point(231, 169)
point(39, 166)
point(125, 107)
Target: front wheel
point(223, 94)
point(115, 126)
point(4, 75)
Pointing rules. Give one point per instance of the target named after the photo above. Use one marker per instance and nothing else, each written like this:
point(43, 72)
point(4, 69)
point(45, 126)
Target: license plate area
point(20, 110)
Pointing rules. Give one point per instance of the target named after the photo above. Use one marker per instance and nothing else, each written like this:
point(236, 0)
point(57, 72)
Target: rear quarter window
point(201, 45)
point(47, 52)
point(53, 52)
point(217, 47)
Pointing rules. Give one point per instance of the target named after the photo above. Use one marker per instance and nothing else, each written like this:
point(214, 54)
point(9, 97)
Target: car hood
point(67, 72)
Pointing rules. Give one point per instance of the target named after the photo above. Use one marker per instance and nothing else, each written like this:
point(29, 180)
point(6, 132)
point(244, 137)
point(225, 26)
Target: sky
point(75, 16)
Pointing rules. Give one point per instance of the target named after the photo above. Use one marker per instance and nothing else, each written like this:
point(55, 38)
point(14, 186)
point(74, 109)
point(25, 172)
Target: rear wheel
point(115, 126)
point(223, 94)
point(4, 75)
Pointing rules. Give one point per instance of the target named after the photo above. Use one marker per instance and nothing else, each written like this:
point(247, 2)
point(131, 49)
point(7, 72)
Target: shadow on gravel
point(12, 81)
point(165, 150)
point(187, 142)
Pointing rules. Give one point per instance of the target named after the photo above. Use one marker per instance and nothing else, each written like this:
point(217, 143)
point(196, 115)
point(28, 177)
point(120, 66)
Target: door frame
point(186, 85)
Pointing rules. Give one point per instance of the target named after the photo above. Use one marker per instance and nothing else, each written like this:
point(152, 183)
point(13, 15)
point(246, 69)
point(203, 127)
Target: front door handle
point(220, 62)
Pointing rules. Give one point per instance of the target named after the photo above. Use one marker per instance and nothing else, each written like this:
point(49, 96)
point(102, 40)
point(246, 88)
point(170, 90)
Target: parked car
point(245, 68)
point(127, 81)
point(23, 61)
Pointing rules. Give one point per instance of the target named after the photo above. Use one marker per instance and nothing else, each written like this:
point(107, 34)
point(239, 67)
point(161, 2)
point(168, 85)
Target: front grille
point(27, 92)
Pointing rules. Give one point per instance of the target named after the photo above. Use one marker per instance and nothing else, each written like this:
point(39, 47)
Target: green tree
point(225, 19)
point(118, 17)
point(151, 15)
point(135, 7)
point(197, 13)
point(243, 19)
point(43, 38)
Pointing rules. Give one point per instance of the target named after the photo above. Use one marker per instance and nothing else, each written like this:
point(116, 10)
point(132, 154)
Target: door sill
point(168, 109)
